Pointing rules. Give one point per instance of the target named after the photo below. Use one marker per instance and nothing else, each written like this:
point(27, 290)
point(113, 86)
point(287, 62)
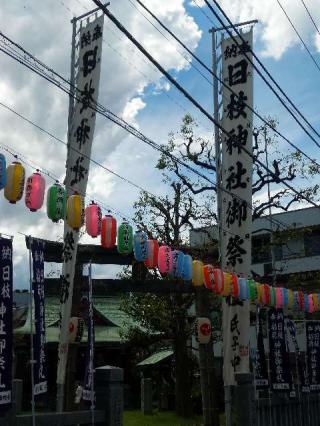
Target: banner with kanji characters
point(313, 353)
point(88, 389)
point(5, 324)
point(301, 366)
point(261, 370)
point(39, 339)
point(236, 196)
point(79, 152)
point(278, 355)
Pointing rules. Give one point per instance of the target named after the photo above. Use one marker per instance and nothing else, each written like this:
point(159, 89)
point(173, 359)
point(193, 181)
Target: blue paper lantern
point(285, 297)
point(306, 302)
point(177, 263)
point(3, 171)
point(140, 246)
point(187, 268)
point(243, 289)
point(295, 300)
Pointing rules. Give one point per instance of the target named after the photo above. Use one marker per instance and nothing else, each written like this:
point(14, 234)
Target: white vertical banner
point(79, 152)
point(236, 197)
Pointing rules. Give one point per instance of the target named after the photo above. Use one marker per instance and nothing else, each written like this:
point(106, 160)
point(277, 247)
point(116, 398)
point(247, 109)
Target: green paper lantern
point(125, 238)
point(252, 290)
point(56, 202)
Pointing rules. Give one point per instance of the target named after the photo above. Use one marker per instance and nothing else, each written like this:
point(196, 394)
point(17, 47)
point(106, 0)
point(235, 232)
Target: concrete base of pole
point(244, 400)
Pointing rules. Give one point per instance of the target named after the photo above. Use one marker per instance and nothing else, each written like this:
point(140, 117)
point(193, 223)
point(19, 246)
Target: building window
point(312, 243)
point(261, 252)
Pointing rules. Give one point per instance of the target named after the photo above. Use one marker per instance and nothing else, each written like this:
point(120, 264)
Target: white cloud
point(274, 30)
point(124, 79)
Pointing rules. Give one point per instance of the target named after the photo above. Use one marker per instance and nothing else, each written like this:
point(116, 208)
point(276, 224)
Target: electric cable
point(187, 94)
point(312, 20)
point(265, 70)
point(299, 35)
point(223, 83)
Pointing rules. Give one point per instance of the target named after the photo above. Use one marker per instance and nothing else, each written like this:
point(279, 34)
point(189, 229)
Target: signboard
point(39, 339)
point(236, 196)
point(79, 152)
point(5, 324)
point(279, 357)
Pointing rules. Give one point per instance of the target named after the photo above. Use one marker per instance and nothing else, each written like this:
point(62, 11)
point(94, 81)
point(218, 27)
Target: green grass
point(168, 418)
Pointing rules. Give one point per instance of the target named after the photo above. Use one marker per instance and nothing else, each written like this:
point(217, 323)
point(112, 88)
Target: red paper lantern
point(35, 187)
point(153, 252)
point(93, 220)
point(108, 232)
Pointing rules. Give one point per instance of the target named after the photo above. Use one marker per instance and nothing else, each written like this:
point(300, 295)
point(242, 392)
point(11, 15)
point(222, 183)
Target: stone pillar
point(146, 396)
point(109, 393)
point(245, 400)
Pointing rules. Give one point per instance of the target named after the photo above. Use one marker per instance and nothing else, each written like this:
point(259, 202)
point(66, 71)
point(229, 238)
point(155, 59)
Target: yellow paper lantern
point(259, 293)
point(227, 284)
point(75, 211)
point(15, 182)
point(197, 273)
point(290, 299)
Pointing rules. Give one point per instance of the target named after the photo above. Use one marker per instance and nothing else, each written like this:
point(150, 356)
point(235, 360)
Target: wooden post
point(206, 358)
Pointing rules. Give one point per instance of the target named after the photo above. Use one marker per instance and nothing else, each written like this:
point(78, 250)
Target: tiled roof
point(156, 358)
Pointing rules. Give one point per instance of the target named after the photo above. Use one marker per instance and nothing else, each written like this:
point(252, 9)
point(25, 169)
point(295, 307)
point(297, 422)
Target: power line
point(187, 94)
point(313, 21)
point(223, 83)
point(266, 71)
point(57, 84)
point(298, 34)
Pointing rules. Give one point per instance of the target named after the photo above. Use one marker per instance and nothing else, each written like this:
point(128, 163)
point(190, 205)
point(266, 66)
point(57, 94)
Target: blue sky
point(43, 27)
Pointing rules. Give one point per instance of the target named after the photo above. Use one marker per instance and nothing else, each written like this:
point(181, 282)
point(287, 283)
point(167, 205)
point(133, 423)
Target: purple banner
point(5, 324)
point(39, 341)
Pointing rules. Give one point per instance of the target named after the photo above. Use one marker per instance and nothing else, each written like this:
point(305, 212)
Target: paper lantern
point(243, 289)
point(227, 284)
point(197, 273)
point(125, 238)
point(285, 297)
point(140, 246)
point(177, 263)
point(108, 232)
point(290, 299)
point(93, 220)
point(203, 326)
point(315, 302)
point(35, 188)
point(56, 202)
point(310, 304)
point(235, 290)
point(15, 182)
point(252, 290)
point(279, 301)
point(165, 259)
point(306, 302)
point(208, 276)
point(266, 294)
point(153, 253)
point(3, 172)
point(272, 296)
point(301, 300)
point(187, 268)
point(76, 329)
point(75, 211)
point(218, 281)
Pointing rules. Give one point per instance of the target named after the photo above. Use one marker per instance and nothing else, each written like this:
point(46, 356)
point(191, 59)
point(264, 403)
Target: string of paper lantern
point(169, 262)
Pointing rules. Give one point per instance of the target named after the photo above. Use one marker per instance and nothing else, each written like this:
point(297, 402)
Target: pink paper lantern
point(93, 220)
point(165, 259)
point(35, 188)
point(279, 299)
point(153, 253)
point(310, 305)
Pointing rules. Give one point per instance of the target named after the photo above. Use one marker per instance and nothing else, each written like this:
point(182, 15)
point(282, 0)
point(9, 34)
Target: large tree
point(167, 318)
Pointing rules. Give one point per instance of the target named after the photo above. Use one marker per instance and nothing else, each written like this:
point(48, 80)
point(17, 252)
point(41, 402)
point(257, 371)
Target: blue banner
point(39, 340)
point(5, 324)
